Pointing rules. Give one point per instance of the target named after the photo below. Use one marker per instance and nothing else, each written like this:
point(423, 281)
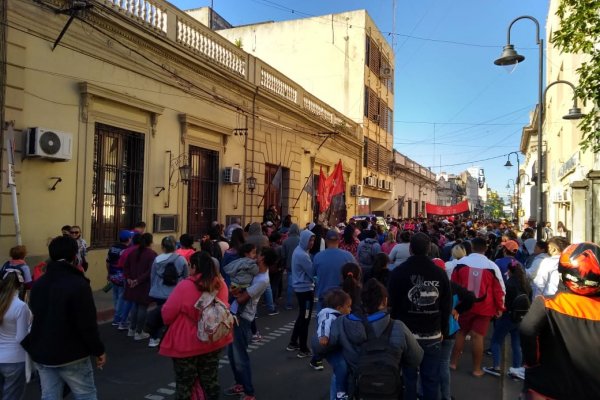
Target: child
point(242, 271)
point(17, 262)
point(337, 303)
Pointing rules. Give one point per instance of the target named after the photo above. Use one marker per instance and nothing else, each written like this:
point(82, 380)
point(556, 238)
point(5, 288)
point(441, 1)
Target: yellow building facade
point(142, 113)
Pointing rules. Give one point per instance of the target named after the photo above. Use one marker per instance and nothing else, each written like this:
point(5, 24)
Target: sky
point(453, 107)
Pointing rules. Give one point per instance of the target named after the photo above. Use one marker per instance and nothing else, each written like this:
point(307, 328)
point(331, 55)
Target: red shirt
point(179, 313)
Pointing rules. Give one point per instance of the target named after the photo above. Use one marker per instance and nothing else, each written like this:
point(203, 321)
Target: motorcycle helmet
point(579, 266)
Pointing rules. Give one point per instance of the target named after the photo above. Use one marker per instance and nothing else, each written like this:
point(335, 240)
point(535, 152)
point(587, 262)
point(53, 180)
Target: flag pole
point(302, 190)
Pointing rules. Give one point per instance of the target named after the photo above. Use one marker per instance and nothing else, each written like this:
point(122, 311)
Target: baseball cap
point(125, 234)
point(269, 223)
point(511, 245)
point(332, 235)
point(440, 263)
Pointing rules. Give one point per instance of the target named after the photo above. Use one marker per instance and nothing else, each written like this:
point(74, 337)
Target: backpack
point(378, 372)
point(365, 253)
point(519, 307)
point(215, 321)
point(170, 276)
point(7, 267)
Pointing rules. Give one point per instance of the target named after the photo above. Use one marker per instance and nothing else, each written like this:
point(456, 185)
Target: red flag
point(337, 184)
point(322, 192)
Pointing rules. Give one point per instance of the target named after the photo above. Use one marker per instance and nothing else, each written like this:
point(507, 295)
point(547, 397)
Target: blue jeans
point(269, 298)
point(12, 380)
point(503, 327)
point(339, 379)
point(117, 292)
point(289, 293)
point(429, 373)
point(78, 376)
point(446, 352)
point(238, 355)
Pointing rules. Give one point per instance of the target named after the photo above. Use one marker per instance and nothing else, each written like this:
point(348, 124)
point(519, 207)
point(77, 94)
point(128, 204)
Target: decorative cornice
point(86, 88)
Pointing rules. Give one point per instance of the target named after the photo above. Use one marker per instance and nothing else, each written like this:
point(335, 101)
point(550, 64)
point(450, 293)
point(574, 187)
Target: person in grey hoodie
point(348, 332)
point(286, 250)
point(304, 286)
point(256, 237)
point(159, 292)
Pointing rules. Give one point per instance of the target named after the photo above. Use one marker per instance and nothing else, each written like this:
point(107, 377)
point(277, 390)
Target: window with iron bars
point(117, 190)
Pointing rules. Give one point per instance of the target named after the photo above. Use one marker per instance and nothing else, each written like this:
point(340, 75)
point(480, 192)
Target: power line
point(470, 162)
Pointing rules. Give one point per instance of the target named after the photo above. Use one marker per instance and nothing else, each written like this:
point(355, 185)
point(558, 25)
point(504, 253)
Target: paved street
point(135, 371)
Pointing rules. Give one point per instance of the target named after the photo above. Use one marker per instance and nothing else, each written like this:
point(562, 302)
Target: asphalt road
point(135, 371)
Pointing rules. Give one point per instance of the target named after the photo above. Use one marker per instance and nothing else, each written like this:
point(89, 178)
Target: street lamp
point(511, 57)
point(575, 111)
point(528, 179)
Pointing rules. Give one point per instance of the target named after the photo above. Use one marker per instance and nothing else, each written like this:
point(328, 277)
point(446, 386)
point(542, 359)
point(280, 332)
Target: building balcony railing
point(165, 20)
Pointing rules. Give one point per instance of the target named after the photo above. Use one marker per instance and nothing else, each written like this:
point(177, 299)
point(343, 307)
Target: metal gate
point(202, 190)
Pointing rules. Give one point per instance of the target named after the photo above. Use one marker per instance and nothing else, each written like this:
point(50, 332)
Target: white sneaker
point(141, 336)
point(518, 373)
point(154, 342)
point(131, 332)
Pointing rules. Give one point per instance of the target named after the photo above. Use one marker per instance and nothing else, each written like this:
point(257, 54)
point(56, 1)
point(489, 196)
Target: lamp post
point(511, 57)
point(508, 165)
point(515, 194)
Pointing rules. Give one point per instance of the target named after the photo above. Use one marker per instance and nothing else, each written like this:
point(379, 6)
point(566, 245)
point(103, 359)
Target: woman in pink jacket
point(193, 359)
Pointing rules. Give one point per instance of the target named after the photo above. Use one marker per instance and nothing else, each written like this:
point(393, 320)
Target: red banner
point(459, 208)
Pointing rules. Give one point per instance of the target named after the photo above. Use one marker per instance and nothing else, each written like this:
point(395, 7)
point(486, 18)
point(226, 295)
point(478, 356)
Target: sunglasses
point(75, 232)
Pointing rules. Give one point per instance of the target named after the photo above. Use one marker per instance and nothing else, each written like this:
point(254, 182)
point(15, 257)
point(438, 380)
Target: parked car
point(380, 220)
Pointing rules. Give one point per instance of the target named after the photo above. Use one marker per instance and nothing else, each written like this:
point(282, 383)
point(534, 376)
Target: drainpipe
point(253, 141)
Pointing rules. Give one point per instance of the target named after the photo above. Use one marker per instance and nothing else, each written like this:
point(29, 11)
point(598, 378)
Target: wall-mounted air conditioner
point(356, 190)
point(232, 175)
point(164, 223)
point(380, 183)
point(385, 72)
point(47, 143)
point(370, 181)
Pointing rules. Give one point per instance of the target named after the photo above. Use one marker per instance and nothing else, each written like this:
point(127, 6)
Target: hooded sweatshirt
point(242, 271)
point(158, 290)
point(256, 237)
point(302, 268)
point(289, 245)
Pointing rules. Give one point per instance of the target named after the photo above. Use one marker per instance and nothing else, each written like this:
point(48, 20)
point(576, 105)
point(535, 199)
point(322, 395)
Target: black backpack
point(170, 276)
point(365, 253)
point(519, 307)
point(378, 375)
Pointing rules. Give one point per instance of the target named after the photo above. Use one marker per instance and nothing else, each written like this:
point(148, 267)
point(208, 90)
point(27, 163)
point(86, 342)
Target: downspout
point(253, 141)
point(3, 60)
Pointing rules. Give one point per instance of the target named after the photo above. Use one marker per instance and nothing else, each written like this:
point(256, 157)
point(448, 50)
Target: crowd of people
point(396, 304)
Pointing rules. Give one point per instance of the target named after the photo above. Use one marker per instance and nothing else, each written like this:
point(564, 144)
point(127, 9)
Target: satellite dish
point(50, 142)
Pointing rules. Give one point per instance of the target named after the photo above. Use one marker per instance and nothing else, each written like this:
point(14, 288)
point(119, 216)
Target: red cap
point(440, 263)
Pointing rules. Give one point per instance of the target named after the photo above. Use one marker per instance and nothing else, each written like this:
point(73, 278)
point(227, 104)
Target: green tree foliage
point(580, 33)
point(494, 206)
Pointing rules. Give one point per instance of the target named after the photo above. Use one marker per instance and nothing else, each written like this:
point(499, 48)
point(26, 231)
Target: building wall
point(569, 189)
point(413, 184)
point(149, 78)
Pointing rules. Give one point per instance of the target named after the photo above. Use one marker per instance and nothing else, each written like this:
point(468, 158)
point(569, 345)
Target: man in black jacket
point(420, 296)
point(64, 333)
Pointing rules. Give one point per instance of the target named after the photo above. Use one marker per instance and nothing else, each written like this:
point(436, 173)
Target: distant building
point(414, 185)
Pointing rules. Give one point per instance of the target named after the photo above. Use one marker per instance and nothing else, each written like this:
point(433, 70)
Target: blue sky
point(448, 91)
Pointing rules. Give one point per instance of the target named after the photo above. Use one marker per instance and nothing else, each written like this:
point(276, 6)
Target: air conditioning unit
point(46, 143)
point(557, 197)
point(232, 175)
point(356, 190)
point(566, 196)
point(370, 181)
point(376, 118)
point(385, 72)
point(388, 185)
point(380, 183)
point(164, 223)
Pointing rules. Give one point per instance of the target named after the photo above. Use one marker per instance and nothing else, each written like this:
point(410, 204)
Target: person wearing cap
point(509, 251)
point(115, 275)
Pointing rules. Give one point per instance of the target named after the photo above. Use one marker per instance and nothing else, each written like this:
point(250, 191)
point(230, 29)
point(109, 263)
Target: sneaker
point(292, 347)
point(492, 371)
point(141, 336)
point(316, 365)
point(304, 354)
point(154, 342)
point(341, 396)
point(256, 338)
point(517, 373)
point(115, 324)
point(235, 390)
point(123, 326)
point(274, 312)
point(130, 332)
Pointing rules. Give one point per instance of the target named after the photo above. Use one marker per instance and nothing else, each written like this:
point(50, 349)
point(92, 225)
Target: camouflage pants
point(204, 367)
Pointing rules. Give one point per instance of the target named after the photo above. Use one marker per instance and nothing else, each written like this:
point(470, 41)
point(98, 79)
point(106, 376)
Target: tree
point(580, 33)
point(494, 205)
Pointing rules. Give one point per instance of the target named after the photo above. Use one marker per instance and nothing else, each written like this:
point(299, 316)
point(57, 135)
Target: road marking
point(154, 397)
point(172, 384)
point(165, 391)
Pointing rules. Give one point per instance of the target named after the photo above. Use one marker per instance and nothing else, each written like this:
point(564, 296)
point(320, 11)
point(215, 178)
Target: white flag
point(309, 188)
point(277, 179)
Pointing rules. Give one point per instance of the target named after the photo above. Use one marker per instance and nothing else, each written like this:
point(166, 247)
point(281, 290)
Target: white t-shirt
point(546, 280)
point(15, 326)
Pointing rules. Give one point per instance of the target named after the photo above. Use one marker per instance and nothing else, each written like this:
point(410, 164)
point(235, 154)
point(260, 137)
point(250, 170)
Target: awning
point(455, 209)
